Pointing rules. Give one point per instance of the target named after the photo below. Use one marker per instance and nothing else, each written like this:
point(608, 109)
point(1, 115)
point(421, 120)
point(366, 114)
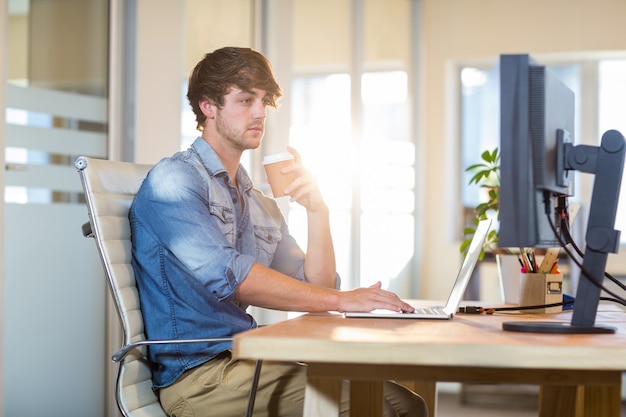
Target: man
point(206, 245)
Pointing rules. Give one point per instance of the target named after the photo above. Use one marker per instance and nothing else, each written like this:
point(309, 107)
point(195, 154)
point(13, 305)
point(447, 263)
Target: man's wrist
point(320, 209)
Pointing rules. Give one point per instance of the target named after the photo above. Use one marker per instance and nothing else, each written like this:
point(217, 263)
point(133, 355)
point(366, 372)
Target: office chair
point(110, 188)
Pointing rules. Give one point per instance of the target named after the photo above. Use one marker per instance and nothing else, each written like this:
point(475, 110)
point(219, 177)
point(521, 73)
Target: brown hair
point(224, 68)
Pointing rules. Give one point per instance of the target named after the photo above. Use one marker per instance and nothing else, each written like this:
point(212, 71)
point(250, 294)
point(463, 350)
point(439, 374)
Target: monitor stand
point(555, 328)
point(607, 163)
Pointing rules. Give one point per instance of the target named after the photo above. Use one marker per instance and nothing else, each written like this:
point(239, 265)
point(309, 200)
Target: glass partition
point(54, 292)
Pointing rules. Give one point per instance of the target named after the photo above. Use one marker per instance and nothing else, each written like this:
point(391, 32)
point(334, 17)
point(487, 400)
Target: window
point(368, 178)
point(380, 167)
point(371, 179)
point(480, 129)
point(611, 104)
point(480, 116)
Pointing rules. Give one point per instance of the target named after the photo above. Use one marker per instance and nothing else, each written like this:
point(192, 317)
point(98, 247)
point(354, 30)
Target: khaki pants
point(221, 387)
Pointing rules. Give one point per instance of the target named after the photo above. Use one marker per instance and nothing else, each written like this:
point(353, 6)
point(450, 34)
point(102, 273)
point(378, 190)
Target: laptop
point(456, 295)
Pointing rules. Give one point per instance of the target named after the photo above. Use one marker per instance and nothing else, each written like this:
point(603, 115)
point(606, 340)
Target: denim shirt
point(193, 242)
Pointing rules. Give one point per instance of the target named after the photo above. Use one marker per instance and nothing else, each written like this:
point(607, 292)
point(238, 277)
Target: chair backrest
point(110, 188)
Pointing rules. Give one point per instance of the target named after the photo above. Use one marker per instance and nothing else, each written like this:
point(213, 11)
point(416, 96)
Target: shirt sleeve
point(289, 258)
point(173, 205)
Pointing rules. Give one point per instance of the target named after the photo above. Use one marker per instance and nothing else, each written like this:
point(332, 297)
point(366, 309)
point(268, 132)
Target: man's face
point(241, 121)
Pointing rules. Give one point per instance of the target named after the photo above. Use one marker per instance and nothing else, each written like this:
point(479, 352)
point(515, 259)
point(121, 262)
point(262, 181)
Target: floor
point(479, 402)
point(449, 405)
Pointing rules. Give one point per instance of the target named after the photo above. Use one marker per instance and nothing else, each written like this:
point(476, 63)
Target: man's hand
point(304, 189)
point(371, 298)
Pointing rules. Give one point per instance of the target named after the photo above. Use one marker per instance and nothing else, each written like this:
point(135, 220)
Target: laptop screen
point(465, 273)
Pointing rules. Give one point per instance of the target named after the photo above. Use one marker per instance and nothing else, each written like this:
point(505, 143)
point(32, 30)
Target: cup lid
point(278, 157)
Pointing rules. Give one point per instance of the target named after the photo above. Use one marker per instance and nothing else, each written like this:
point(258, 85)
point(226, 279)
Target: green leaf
point(485, 174)
point(469, 231)
point(464, 246)
point(473, 167)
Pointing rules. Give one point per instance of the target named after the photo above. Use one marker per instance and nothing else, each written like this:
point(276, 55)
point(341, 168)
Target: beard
point(241, 138)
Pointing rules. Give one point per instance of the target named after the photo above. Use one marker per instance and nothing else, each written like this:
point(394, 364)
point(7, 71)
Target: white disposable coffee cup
point(273, 165)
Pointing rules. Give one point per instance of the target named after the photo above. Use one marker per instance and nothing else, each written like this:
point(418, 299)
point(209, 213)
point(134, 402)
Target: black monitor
point(537, 156)
point(535, 107)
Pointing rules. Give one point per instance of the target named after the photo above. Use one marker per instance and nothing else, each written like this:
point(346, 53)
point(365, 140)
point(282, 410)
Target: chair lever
point(86, 228)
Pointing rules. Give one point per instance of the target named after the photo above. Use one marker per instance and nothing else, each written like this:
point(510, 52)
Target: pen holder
point(540, 289)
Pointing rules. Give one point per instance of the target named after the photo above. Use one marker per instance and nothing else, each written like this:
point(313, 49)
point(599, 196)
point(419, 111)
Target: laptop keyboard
point(428, 311)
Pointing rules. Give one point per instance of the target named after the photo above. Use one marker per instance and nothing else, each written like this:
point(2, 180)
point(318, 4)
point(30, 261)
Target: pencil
point(522, 252)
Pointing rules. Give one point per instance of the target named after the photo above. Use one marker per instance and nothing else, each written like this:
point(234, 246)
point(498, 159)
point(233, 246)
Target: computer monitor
point(535, 108)
point(538, 156)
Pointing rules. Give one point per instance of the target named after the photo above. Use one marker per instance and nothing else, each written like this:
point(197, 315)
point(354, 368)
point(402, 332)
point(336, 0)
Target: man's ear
point(208, 108)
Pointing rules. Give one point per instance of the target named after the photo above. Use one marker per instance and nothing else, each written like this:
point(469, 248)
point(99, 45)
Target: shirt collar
point(214, 165)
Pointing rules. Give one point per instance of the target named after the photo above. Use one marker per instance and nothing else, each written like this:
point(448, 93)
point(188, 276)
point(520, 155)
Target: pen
point(522, 252)
point(533, 262)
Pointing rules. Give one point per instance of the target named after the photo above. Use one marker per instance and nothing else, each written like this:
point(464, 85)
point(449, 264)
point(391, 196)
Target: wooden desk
point(580, 375)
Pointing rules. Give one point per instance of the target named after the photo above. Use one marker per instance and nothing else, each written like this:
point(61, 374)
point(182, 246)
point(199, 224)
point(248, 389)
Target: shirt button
point(234, 200)
point(239, 235)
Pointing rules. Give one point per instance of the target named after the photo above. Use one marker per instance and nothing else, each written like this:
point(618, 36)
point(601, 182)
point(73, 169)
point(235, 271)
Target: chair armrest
point(120, 354)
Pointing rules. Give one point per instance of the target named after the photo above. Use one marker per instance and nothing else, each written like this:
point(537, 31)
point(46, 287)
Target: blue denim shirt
point(193, 242)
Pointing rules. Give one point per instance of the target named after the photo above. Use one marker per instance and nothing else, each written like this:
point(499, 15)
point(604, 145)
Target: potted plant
point(486, 174)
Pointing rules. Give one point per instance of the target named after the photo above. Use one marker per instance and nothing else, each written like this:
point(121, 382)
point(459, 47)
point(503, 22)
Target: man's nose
point(259, 110)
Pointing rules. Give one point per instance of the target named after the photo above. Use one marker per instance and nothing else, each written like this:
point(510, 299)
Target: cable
point(533, 307)
point(564, 218)
point(491, 310)
point(568, 239)
point(561, 211)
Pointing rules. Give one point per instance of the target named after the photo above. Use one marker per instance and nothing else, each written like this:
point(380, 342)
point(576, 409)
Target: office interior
point(125, 63)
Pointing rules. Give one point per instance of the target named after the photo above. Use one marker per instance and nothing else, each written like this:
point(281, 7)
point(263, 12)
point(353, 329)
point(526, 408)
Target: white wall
point(159, 61)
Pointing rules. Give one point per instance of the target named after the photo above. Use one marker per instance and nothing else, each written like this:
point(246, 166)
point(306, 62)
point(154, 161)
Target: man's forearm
point(319, 263)
point(265, 287)
point(268, 288)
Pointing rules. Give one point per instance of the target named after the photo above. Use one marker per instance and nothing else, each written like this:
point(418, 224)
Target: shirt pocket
point(226, 222)
point(267, 239)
